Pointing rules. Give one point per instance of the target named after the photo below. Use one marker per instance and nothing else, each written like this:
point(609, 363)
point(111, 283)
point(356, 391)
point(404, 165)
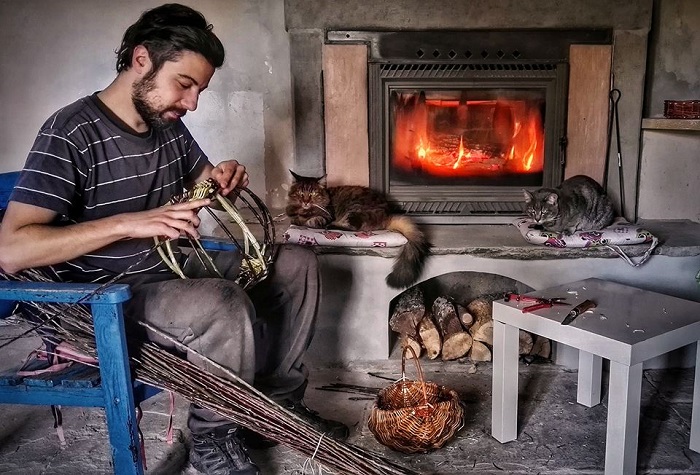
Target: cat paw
point(317, 222)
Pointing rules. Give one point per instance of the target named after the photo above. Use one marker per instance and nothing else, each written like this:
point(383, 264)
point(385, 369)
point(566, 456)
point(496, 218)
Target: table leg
point(695, 416)
point(624, 399)
point(590, 374)
point(504, 404)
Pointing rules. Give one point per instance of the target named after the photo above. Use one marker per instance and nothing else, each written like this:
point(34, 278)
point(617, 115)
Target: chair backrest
point(7, 182)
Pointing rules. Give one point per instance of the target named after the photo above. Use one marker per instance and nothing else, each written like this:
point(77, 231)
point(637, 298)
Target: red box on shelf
point(682, 109)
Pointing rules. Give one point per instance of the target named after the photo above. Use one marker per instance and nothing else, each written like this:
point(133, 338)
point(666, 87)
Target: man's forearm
point(28, 239)
point(36, 245)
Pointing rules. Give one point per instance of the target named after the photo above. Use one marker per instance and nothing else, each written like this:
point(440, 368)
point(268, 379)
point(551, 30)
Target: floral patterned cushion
point(619, 233)
point(334, 237)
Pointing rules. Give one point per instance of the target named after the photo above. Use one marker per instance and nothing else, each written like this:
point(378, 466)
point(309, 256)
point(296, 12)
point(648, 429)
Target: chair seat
point(78, 385)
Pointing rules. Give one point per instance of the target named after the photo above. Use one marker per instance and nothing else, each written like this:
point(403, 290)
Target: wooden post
point(345, 114)
point(589, 104)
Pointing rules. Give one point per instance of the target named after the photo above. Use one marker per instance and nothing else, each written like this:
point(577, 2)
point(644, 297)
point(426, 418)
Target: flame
point(461, 153)
point(445, 137)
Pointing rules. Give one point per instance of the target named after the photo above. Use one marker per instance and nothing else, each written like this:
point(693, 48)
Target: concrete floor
point(556, 435)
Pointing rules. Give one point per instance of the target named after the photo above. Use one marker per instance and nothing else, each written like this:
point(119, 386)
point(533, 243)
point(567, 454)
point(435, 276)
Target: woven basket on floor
point(415, 416)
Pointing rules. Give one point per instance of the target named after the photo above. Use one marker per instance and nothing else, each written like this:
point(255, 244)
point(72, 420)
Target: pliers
point(540, 303)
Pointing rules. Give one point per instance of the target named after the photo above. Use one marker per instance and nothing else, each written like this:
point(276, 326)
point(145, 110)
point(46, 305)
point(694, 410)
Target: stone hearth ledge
point(677, 238)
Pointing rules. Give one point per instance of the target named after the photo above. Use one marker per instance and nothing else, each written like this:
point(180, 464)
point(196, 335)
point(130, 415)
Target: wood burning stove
point(460, 122)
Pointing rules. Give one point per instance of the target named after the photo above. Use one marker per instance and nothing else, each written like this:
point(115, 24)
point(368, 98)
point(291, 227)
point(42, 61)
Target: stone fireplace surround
point(308, 21)
point(353, 314)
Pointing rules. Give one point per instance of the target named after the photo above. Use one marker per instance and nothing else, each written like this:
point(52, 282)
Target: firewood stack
point(451, 330)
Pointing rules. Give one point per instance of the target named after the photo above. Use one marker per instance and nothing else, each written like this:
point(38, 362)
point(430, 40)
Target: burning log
point(455, 341)
point(430, 336)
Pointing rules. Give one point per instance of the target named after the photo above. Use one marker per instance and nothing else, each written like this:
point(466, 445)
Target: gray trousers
point(261, 335)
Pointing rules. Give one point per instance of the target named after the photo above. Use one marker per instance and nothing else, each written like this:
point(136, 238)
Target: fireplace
point(460, 122)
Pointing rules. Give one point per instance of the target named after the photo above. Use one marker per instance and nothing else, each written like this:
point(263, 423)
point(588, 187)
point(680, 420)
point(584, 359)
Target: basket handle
point(418, 368)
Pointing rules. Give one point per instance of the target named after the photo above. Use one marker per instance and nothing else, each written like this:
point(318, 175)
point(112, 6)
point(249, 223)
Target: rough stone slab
point(448, 14)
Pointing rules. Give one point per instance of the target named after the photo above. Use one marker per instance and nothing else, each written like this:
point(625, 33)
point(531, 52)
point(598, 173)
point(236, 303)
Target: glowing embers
point(467, 133)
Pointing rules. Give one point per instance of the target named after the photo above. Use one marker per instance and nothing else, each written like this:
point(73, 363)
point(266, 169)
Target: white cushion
point(619, 233)
point(334, 237)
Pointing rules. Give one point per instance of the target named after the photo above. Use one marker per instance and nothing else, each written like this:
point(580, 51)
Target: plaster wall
point(57, 51)
point(669, 177)
point(674, 67)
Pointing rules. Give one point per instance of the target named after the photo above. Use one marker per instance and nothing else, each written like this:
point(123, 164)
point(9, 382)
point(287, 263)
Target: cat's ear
point(295, 176)
point(552, 198)
point(528, 196)
point(323, 181)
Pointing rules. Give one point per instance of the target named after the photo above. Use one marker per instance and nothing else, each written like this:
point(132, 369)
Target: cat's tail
point(409, 264)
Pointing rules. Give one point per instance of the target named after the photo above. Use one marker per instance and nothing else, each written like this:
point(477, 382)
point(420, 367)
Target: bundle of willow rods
point(232, 398)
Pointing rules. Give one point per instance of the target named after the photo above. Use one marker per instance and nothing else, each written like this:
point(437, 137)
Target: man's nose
point(190, 101)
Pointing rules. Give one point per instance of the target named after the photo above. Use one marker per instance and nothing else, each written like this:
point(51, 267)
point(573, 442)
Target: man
point(91, 198)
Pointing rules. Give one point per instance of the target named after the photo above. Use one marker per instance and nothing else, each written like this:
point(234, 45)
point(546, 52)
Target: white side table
point(628, 326)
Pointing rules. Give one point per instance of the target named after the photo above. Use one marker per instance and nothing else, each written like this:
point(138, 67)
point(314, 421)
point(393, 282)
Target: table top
point(629, 325)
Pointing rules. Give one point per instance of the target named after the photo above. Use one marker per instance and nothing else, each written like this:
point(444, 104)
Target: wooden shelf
point(671, 124)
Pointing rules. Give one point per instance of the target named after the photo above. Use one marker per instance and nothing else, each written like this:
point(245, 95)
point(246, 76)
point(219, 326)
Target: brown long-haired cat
point(311, 203)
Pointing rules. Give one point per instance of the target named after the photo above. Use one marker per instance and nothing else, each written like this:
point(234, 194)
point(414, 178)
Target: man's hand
point(229, 175)
point(170, 221)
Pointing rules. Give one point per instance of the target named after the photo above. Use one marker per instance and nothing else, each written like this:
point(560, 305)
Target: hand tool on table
point(578, 310)
point(538, 302)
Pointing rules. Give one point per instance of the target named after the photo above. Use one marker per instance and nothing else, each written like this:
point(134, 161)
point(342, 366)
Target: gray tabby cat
point(579, 204)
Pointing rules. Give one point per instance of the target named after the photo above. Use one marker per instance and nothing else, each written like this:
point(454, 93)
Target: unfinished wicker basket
point(415, 416)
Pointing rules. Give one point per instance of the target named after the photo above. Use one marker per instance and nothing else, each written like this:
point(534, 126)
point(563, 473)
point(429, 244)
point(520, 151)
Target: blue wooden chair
point(112, 387)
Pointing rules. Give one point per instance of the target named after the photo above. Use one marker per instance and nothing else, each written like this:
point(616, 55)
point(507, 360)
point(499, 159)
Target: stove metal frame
point(487, 59)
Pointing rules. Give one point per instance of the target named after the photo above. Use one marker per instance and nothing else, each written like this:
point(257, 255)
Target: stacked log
point(456, 341)
point(453, 330)
point(407, 315)
point(430, 336)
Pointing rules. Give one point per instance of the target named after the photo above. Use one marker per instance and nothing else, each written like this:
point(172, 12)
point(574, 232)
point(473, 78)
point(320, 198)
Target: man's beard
point(151, 116)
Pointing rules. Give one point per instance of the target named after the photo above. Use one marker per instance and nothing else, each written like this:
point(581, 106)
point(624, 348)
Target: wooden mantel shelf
point(670, 124)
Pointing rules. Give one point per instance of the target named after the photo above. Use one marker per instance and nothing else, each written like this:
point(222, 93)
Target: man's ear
point(141, 60)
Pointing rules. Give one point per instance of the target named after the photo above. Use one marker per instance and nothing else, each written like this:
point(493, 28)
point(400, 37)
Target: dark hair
point(166, 32)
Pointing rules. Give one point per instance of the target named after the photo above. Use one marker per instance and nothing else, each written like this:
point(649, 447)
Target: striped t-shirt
point(86, 165)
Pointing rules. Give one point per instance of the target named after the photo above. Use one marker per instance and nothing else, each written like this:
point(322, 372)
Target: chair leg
point(695, 415)
point(120, 410)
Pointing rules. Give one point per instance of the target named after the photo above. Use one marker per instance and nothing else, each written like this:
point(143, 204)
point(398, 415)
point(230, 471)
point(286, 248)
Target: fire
point(457, 138)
